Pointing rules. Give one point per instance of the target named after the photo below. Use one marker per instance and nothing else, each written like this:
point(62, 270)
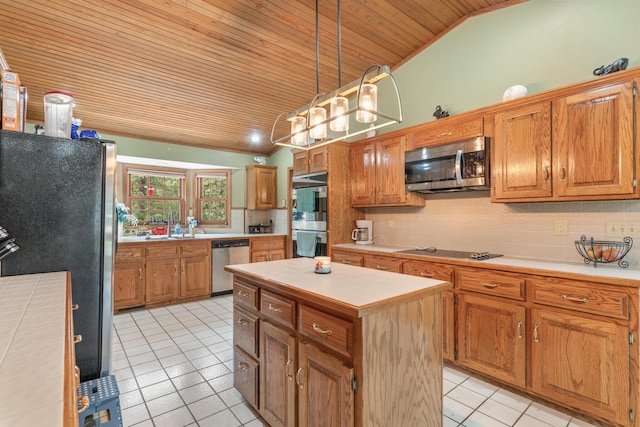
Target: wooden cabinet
point(310, 161)
point(576, 146)
point(522, 152)
point(156, 273)
point(128, 284)
point(593, 140)
point(347, 258)
point(383, 263)
point(267, 248)
point(434, 270)
point(262, 187)
point(450, 129)
point(377, 173)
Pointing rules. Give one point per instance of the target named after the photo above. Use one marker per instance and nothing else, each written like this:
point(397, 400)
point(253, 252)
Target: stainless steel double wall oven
point(309, 215)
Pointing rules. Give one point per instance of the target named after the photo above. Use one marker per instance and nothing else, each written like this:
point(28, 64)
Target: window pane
point(214, 211)
point(213, 188)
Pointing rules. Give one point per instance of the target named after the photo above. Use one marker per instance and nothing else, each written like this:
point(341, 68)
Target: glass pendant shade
point(317, 115)
point(298, 130)
point(339, 119)
point(368, 99)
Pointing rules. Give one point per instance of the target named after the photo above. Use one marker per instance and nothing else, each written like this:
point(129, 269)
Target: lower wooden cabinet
point(491, 338)
point(128, 283)
point(582, 362)
point(161, 273)
point(270, 248)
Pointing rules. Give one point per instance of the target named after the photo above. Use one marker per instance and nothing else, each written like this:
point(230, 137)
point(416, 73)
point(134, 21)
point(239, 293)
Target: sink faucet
point(169, 224)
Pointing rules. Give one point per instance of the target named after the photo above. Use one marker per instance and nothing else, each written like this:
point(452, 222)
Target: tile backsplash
point(468, 221)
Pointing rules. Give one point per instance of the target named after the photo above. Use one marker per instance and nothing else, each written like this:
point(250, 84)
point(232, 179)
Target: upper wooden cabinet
point(377, 173)
point(593, 138)
point(310, 161)
point(450, 129)
point(576, 146)
point(522, 152)
point(262, 187)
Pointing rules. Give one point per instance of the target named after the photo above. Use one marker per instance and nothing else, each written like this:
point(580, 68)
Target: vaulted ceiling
point(208, 73)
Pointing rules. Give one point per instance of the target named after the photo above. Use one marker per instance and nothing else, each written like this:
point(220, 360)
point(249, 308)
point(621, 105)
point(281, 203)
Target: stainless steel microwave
point(456, 166)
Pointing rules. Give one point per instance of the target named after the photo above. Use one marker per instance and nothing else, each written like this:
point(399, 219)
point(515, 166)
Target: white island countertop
point(357, 287)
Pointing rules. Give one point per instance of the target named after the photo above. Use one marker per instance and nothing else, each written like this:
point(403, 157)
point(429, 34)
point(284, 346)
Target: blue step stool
point(104, 403)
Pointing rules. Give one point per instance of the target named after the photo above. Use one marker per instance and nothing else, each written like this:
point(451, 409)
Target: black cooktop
point(444, 253)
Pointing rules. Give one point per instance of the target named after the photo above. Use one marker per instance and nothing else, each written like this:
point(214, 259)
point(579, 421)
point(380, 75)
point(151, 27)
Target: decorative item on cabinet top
point(603, 251)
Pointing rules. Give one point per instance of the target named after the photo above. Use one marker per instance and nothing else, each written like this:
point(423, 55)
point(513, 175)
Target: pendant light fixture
point(308, 124)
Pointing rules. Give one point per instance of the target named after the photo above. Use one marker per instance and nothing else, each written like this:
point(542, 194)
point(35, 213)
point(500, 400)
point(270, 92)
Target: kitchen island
point(354, 347)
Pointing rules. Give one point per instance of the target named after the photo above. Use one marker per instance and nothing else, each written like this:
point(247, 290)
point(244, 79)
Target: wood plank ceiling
point(208, 73)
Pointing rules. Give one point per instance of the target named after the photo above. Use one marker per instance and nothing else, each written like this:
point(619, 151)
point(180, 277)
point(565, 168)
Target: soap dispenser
point(178, 229)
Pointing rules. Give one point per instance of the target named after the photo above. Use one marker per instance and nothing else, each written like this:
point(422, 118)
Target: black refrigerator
point(57, 199)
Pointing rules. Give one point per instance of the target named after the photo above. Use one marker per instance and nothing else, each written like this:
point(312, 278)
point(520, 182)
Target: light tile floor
point(174, 368)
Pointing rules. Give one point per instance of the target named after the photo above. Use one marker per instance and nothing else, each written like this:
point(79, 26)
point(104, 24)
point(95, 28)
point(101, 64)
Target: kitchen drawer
point(245, 294)
point(278, 308)
point(594, 298)
point(125, 253)
point(246, 376)
point(162, 250)
point(347, 258)
point(258, 244)
point(499, 284)
point(448, 130)
point(245, 332)
point(326, 330)
point(430, 270)
point(200, 248)
point(383, 263)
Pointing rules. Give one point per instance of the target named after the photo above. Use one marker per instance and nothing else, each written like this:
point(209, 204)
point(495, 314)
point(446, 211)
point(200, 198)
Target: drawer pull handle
point(275, 309)
point(84, 402)
point(289, 363)
point(140, 273)
point(489, 285)
point(75, 307)
point(243, 322)
point(574, 299)
point(319, 330)
point(77, 339)
point(346, 261)
point(243, 294)
point(381, 267)
point(175, 269)
point(546, 173)
point(535, 333)
point(423, 274)
point(243, 366)
point(300, 383)
point(519, 329)
point(443, 134)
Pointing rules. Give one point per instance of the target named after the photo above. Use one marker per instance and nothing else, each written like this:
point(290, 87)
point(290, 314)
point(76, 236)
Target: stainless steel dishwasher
point(226, 252)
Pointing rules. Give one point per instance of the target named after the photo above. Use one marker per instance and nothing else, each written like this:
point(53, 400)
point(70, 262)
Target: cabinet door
point(128, 284)
point(318, 159)
point(259, 256)
point(581, 362)
point(300, 162)
point(277, 385)
point(325, 396)
point(593, 142)
point(390, 171)
point(363, 174)
point(276, 254)
point(522, 152)
point(491, 337)
point(266, 187)
point(162, 280)
point(196, 276)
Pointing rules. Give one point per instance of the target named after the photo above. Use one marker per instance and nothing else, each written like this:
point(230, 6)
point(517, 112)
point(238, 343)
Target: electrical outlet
point(623, 229)
point(561, 227)
point(391, 224)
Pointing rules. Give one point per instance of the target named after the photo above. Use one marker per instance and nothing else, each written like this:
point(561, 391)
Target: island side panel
point(401, 383)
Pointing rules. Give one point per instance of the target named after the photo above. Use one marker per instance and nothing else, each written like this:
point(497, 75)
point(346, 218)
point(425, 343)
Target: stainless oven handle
point(458, 167)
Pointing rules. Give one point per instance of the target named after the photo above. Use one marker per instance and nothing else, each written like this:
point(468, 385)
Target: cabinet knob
point(75, 307)
point(77, 339)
